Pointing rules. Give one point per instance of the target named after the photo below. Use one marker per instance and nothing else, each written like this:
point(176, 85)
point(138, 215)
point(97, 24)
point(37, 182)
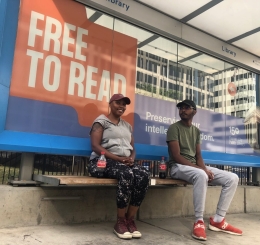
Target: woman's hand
point(126, 160)
point(130, 160)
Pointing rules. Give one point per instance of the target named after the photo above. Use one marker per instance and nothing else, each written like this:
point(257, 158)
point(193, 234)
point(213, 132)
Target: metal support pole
point(73, 165)
point(26, 166)
point(255, 175)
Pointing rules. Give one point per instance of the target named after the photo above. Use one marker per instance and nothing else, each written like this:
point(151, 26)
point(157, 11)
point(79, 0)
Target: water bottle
point(162, 169)
point(101, 165)
point(146, 165)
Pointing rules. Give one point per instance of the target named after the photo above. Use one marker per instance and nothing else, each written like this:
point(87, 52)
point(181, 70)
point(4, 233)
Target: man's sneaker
point(224, 227)
point(199, 231)
point(121, 230)
point(132, 228)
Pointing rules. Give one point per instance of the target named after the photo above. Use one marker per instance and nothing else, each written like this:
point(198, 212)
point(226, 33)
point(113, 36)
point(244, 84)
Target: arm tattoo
point(97, 128)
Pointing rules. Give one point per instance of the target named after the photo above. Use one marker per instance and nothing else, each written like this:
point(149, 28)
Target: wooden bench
point(55, 180)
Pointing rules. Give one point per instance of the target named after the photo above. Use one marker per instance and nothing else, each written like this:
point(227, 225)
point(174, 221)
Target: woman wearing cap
point(113, 135)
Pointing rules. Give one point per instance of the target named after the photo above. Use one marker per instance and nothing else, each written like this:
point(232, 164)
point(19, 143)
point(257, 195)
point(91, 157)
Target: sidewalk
point(157, 231)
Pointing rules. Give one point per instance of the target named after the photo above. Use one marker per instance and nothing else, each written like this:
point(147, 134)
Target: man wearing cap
point(186, 163)
point(113, 136)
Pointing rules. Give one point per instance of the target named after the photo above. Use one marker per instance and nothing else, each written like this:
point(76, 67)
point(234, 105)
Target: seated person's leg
point(139, 188)
point(124, 175)
point(199, 179)
point(229, 182)
point(140, 185)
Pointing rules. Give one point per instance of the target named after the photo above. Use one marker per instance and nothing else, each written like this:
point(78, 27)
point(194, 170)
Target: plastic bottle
point(146, 165)
point(101, 165)
point(162, 169)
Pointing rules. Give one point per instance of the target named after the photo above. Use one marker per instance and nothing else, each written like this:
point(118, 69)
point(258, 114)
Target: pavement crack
point(25, 236)
point(37, 240)
point(191, 239)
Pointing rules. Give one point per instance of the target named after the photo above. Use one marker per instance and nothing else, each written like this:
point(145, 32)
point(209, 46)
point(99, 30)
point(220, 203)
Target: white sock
point(199, 219)
point(217, 218)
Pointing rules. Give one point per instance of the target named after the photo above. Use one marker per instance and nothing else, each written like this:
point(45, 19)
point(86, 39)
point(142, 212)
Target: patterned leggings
point(132, 181)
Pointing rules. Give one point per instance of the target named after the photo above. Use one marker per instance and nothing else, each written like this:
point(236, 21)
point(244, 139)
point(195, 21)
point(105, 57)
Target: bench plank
point(87, 180)
point(168, 181)
point(75, 180)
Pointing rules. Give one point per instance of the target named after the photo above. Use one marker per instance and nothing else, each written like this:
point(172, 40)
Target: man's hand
point(210, 174)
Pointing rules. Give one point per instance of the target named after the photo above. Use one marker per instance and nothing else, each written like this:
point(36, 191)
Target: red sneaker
point(199, 231)
point(121, 230)
point(130, 223)
point(224, 227)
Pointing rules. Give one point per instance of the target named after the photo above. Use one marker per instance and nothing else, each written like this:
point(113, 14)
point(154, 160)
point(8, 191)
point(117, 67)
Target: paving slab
point(248, 223)
point(169, 231)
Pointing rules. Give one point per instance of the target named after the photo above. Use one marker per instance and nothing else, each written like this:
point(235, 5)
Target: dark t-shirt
point(188, 138)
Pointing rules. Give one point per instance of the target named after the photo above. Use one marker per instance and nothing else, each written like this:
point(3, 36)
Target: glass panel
point(133, 31)
point(99, 18)
point(201, 76)
point(156, 62)
point(240, 91)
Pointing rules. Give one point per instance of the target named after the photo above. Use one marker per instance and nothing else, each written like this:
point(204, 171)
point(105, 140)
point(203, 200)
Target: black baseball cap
point(187, 102)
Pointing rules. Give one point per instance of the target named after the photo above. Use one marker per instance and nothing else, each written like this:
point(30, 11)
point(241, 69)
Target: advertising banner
point(219, 132)
point(66, 68)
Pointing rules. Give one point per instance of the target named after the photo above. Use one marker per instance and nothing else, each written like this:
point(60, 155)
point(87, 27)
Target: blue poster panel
point(219, 132)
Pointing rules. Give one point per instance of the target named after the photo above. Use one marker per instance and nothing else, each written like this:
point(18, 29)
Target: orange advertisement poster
point(61, 57)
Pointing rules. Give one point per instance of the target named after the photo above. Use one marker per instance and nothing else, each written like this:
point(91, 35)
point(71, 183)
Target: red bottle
point(162, 169)
point(101, 165)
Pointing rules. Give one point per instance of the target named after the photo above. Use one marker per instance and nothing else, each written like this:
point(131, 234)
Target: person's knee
point(234, 178)
point(147, 177)
point(142, 177)
point(201, 176)
point(127, 173)
point(142, 172)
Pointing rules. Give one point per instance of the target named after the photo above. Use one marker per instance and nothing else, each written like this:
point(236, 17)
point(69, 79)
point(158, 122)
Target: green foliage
point(146, 87)
point(8, 173)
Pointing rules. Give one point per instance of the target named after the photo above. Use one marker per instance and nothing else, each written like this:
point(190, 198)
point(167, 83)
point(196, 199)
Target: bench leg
point(26, 166)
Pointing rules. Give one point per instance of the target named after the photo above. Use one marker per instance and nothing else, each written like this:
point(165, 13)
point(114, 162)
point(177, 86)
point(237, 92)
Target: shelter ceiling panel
point(176, 8)
point(250, 43)
point(229, 18)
